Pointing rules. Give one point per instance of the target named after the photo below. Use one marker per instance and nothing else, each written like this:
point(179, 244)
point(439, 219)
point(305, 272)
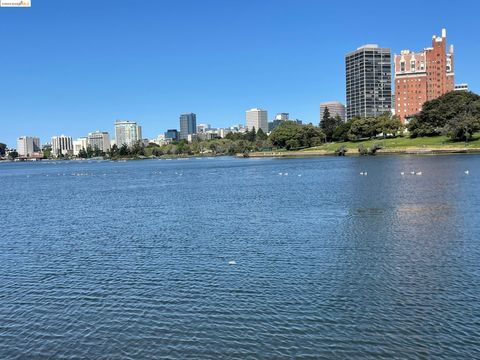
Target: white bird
point(232, 262)
point(286, 174)
point(362, 173)
point(366, 173)
point(467, 172)
point(412, 172)
point(280, 174)
point(299, 175)
point(402, 173)
point(419, 173)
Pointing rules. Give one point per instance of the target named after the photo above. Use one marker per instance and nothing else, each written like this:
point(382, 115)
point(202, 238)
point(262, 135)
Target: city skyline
point(63, 91)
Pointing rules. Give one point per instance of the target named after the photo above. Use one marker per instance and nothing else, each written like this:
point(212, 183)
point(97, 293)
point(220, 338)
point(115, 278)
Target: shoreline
point(407, 151)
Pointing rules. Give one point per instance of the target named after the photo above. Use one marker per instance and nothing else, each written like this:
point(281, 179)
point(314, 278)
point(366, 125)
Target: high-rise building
point(62, 145)
point(368, 81)
point(28, 145)
point(188, 125)
point(99, 140)
point(171, 134)
point(334, 108)
point(80, 144)
point(423, 76)
point(258, 119)
point(127, 132)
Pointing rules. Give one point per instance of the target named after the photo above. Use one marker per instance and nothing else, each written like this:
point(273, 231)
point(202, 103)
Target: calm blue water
point(130, 260)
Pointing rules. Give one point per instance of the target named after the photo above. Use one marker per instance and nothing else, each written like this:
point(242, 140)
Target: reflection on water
point(131, 260)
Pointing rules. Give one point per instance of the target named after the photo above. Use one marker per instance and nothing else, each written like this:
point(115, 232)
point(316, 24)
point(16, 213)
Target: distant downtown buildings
point(127, 132)
point(188, 125)
point(419, 77)
point(335, 108)
point(28, 146)
point(62, 145)
point(258, 119)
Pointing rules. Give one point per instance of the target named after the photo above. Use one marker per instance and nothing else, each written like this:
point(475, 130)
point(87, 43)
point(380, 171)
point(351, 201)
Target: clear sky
point(72, 67)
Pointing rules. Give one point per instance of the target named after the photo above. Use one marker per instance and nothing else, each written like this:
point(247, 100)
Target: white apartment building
point(28, 145)
point(127, 132)
point(257, 118)
point(100, 140)
point(79, 144)
point(62, 145)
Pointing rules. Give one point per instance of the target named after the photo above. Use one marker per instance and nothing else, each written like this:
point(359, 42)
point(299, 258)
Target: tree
point(123, 151)
point(437, 113)
point(251, 135)
point(284, 132)
point(3, 148)
point(462, 127)
point(89, 151)
point(341, 131)
point(13, 155)
point(329, 124)
point(82, 153)
point(261, 135)
point(113, 151)
point(325, 116)
point(364, 128)
point(309, 135)
point(390, 125)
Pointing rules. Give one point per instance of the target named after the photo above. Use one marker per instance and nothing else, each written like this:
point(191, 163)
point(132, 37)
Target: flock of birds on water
point(418, 173)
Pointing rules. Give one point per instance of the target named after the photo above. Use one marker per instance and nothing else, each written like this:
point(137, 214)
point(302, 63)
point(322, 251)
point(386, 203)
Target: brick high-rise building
point(423, 76)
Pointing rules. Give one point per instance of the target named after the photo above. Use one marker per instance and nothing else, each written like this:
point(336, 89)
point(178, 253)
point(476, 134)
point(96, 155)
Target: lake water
point(130, 260)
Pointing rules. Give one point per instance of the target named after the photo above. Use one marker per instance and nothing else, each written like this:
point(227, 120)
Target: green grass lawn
point(403, 143)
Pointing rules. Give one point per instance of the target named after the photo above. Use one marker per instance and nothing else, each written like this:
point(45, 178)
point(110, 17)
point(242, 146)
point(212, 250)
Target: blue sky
point(71, 67)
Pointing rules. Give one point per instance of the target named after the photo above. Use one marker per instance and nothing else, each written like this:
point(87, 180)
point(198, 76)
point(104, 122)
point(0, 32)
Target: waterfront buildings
point(282, 116)
point(28, 146)
point(127, 132)
point(62, 145)
point(461, 87)
point(335, 108)
point(258, 119)
point(171, 134)
point(99, 140)
point(423, 76)
point(279, 119)
point(368, 81)
point(188, 125)
point(80, 144)
point(203, 128)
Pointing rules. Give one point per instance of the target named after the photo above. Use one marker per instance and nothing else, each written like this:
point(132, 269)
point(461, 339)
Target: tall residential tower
point(368, 81)
point(127, 132)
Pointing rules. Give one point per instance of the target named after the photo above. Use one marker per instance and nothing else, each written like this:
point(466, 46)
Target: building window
point(412, 65)
point(402, 66)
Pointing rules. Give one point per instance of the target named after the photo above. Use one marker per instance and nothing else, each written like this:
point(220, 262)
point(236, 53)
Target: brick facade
point(423, 76)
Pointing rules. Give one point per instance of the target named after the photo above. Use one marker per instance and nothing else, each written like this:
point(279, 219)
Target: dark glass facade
point(171, 134)
point(188, 125)
point(368, 82)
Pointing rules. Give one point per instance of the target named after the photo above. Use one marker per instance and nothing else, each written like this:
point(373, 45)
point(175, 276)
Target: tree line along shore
point(448, 124)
